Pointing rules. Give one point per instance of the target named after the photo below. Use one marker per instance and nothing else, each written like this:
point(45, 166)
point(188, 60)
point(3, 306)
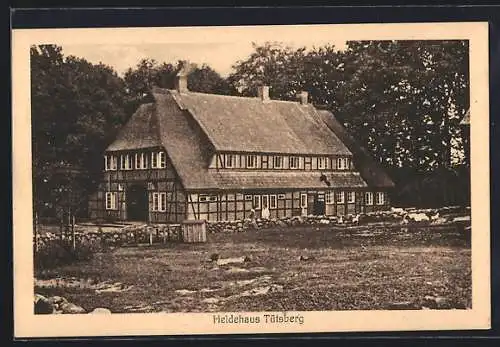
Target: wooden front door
point(319, 204)
point(137, 203)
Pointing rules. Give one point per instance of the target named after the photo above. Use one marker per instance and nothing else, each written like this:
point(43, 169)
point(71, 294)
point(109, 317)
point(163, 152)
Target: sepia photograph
point(238, 179)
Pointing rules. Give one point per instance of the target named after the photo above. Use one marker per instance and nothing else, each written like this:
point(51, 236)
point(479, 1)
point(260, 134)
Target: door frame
point(137, 188)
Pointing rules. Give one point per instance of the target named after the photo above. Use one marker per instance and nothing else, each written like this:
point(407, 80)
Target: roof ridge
point(234, 96)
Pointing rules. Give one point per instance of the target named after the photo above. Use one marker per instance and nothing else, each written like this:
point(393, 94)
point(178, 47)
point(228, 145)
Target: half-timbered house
point(191, 155)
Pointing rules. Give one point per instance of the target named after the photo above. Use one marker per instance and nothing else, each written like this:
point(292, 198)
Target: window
point(144, 161)
point(205, 198)
point(281, 196)
point(251, 161)
point(379, 198)
point(163, 201)
point(154, 160)
point(321, 163)
point(128, 162)
point(368, 198)
point(159, 202)
point(202, 198)
point(110, 201)
point(329, 198)
point(339, 197)
point(272, 201)
point(351, 197)
point(230, 161)
point(256, 202)
point(162, 160)
point(138, 160)
point(277, 162)
point(265, 201)
point(294, 162)
point(248, 197)
point(341, 163)
point(347, 163)
point(120, 187)
point(110, 162)
point(303, 200)
point(122, 162)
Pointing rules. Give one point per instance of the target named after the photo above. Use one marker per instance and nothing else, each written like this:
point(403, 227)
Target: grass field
point(294, 268)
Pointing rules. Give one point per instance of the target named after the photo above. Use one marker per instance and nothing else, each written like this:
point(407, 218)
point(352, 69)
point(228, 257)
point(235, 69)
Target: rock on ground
point(100, 310)
point(43, 305)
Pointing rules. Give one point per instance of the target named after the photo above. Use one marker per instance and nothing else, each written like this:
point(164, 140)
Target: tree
point(206, 80)
point(271, 64)
point(76, 109)
point(149, 73)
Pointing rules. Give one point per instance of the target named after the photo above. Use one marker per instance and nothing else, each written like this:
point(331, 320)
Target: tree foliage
point(76, 108)
point(402, 100)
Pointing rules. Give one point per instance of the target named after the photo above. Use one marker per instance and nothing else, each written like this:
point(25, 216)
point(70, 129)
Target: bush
point(61, 252)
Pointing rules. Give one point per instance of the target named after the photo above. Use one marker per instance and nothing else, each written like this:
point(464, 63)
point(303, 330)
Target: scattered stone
point(230, 261)
point(185, 291)
point(274, 288)
point(416, 217)
point(70, 308)
point(208, 290)
point(236, 270)
point(100, 310)
point(43, 305)
point(462, 219)
point(210, 300)
point(306, 258)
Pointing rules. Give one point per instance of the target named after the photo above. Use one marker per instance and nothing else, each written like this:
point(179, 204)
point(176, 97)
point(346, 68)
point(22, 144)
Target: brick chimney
point(181, 77)
point(263, 92)
point(302, 97)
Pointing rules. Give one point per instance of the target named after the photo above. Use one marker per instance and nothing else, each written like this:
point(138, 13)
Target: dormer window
point(158, 160)
point(141, 161)
point(110, 162)
point(277, 162)
point(162, 160)
point(294, 162)
point(124, 162)
point(321, 163)
point(154, 160)
point(128, 162)
point(251, 161)
point(343, 163)
point(230, 161)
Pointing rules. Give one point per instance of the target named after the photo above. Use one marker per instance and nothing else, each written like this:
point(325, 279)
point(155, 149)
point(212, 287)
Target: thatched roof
point(141, 131)
point(369, 169)
point(191, 126)
point(250, 125)
point(282, 180)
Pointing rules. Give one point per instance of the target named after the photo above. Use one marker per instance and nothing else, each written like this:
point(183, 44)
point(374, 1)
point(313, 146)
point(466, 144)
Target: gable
point(141, 131)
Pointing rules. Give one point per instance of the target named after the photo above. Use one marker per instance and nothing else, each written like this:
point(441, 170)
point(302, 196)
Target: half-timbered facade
point(203, 156)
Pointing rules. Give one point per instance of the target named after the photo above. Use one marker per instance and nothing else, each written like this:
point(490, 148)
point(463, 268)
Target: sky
point(218, 55)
